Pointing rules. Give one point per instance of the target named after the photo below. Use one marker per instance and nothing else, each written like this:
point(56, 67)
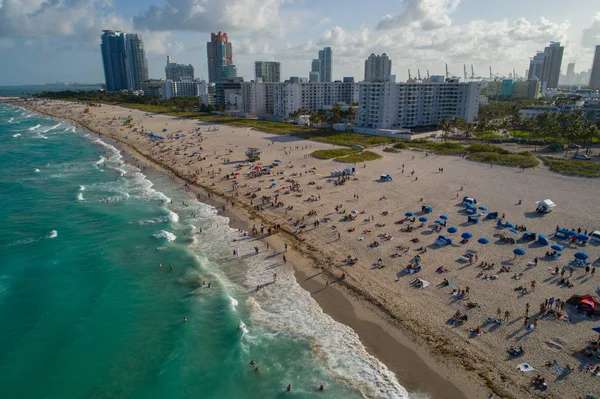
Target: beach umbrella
point(444, 217)
point(519, 251)
point(440, 222)
point(482, 208)
point(452, 230)
point(583, 237)
point(597, 329)
point(557, 247)
point(423, 219)
point(277, 160)
point(483, 240)
point(409, 214)
point(512, 226)
point(273, 184)
point(513, 231)
point(581, 255)
point(466, 235)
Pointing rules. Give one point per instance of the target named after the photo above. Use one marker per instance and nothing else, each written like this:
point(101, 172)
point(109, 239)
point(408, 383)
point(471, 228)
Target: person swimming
point(321, 388)
point(289, 388)
point(252, 362)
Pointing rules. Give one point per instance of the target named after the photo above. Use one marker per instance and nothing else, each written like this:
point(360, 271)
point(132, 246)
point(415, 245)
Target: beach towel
point(425, 283)
point(525, 367)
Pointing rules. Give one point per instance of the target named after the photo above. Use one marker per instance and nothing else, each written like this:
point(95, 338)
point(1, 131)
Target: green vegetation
point(573, 167)
point(487, 148)
point(438, 148)
point(400, 146)
point(362, 156)
point(390, 149)
point(514, 160)
point(330, 154)
point(346, 155)
point(341, 138)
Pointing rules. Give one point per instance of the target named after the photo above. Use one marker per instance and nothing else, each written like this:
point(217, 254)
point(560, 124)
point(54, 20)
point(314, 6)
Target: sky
point(43, 41)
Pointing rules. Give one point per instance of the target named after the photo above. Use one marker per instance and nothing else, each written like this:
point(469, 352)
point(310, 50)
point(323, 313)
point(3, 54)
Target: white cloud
point(159, 44)
point(590, 37)
point(323, 21)
point(427, 14)
point(210, 16)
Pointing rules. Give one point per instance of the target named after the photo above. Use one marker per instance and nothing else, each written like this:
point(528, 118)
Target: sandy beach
point(356, 268)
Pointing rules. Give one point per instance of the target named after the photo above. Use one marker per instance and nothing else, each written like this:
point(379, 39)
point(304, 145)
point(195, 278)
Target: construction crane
point(448, 74)
point(419, 75)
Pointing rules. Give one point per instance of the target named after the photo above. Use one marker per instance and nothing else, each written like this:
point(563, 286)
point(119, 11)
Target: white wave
point(35, 127)
point(17, 135)
point(40, 136)
point(53, 234)
point(29, 116)
point(11, 120)
point(51, 128)
point(36, 170)
point(155, 220)
point(102, 159)
point(243, 327)
point(173, 217)
point(80, 196)
point(66, 129)
point(81, 188)
point(165, 234)
point(233, 301)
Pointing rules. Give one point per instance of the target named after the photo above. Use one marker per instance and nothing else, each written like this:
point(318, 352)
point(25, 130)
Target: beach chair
point(473, 219)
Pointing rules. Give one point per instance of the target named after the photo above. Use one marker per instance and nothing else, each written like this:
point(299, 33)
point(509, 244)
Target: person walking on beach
point(506, 315)
point(275, 278)
point(285, 246)
point(284, 259)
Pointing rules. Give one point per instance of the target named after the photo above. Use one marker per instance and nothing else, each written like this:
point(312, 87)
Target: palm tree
point(444, 126)
point(591, 132)
point(515, 119)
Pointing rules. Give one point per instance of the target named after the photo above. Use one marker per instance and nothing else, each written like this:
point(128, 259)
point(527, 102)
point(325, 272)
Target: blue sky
point(58, 40)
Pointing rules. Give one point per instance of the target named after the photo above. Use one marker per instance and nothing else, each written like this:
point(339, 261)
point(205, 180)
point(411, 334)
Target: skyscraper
point(571, 73)
point(219, 55)
point(546, 65)
point(377, 67)
point(595, 76)
point(315, 70)
point(325, 64)
point(269, 71)
point(175, 71)
point(136, 64)
point(113, 58)
point(124, 59)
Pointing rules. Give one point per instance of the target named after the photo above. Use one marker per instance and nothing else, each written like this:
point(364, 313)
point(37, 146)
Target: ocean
point(86, 311)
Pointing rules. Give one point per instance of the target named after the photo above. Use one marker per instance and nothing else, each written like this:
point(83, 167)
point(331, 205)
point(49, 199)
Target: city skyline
point(416, 34)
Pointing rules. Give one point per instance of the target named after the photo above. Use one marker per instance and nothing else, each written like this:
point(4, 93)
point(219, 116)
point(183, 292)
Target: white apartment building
point(281, 99)
point(385, 105)
point(187, 87)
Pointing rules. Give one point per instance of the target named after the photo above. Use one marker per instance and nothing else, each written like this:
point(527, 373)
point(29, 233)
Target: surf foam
point(35, 127)
point(165, 234)
point(53, 234)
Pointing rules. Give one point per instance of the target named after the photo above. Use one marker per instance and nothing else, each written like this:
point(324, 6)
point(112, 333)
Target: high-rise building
point(377, 67)
point(595, 76)
point(546, 65)
point(175, 71)
point(571, 73)
point(325, 64)
point(269, 71)
point(219, 55)
point(135, 61)
point(385, 105)
point(113, 58)
point(313, 77)
point(315, 68)
point(124, 59)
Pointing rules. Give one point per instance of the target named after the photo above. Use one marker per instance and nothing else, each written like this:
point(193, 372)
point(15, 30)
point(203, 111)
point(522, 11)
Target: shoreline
point(382, 334)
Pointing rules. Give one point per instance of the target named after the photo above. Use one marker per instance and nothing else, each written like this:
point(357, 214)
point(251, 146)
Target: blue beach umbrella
point(444, 217)
point(277, 160)
point(583, 237)
point(466, 235)
point(438, 221)
point(557, 247)
point(512, 226)
point(409, 214)
point(452, 230)
point(483, 240)
point(519, 251)
point(581, 255)
point(513, 231)
point(423, 219)
point(482, 208)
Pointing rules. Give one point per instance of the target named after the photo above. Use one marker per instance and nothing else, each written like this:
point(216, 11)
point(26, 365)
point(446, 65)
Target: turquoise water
point(86, 311)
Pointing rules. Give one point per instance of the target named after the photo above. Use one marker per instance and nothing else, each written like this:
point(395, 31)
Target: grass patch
point(438, 148)
point(573, 167)
point(362, 156)
point(390, 149)
point(346, 155)
point(487, 148)
point(400, 145)
point(330, 154)
point(514, 160)
point(330, 136)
